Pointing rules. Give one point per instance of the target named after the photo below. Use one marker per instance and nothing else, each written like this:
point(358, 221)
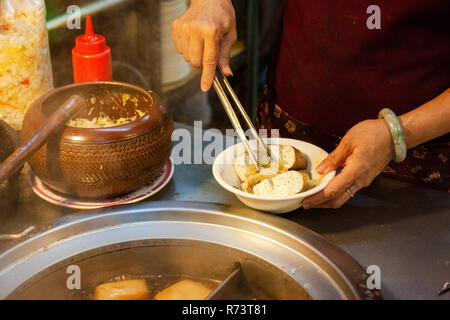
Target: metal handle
point(244, 114)
point(229, 286)
point(254, 158)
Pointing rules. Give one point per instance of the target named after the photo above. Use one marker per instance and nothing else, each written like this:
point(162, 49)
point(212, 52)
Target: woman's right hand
point(204, 35)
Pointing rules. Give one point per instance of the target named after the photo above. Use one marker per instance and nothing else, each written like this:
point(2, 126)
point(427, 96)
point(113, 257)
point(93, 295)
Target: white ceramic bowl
point(225, 175)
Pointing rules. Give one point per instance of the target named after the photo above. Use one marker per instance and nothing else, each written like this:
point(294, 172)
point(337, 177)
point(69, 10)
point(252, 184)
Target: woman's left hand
point(362, 154)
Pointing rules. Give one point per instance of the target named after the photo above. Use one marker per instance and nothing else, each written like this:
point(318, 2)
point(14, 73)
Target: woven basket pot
point(101, 162)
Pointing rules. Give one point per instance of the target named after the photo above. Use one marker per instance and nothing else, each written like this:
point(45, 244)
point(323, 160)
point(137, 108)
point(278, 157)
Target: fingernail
point(306, 205)
point(204, 87)
point(229, 71)
point(321, 168)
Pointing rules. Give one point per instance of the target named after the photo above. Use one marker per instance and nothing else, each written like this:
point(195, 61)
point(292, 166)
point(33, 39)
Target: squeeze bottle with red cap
point(91, 57)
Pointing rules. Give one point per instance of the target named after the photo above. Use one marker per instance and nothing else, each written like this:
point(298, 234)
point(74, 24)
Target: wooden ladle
point(58, 119)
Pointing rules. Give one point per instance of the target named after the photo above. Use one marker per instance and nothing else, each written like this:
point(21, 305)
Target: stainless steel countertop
point(402, 228)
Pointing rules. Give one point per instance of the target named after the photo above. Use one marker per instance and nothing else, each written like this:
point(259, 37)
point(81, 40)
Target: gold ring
point(349, 192)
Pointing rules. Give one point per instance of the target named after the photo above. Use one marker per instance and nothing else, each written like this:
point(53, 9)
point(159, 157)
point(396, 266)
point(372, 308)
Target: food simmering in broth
point(139, 290)
point(184, 290)
point(123, 290)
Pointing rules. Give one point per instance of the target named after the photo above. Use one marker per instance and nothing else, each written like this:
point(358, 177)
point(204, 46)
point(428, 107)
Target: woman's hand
point(363, 153)
point(204, 35)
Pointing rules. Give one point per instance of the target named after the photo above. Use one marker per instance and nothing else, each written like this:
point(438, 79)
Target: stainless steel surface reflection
point(280, 259)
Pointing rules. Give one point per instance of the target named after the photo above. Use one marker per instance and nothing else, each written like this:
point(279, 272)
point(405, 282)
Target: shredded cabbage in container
point(25, 66)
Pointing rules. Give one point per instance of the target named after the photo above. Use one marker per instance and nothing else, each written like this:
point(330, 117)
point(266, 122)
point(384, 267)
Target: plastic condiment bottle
point(91, 57)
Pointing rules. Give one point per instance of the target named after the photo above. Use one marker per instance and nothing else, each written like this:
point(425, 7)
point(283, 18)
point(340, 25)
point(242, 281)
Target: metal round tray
point(279, 257)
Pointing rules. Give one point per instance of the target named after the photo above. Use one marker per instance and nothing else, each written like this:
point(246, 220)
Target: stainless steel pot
point(280, 259)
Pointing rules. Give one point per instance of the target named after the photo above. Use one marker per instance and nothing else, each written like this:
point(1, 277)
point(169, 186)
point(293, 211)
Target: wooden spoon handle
point(70, 107)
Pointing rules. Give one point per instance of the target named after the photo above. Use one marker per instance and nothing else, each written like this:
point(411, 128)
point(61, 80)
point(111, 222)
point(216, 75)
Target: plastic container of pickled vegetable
point(25, 66)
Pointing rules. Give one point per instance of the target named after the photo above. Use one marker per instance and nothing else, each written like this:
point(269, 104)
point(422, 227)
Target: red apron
point(332, 72)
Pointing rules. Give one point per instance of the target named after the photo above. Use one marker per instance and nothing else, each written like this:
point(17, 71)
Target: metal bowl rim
point(347, 266)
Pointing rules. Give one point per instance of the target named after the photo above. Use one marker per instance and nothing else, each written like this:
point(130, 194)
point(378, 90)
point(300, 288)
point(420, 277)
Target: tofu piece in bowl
point(290, 189)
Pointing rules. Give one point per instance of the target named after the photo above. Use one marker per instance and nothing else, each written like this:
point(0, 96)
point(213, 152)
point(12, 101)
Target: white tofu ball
point(287, 183)
point(264, 188)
